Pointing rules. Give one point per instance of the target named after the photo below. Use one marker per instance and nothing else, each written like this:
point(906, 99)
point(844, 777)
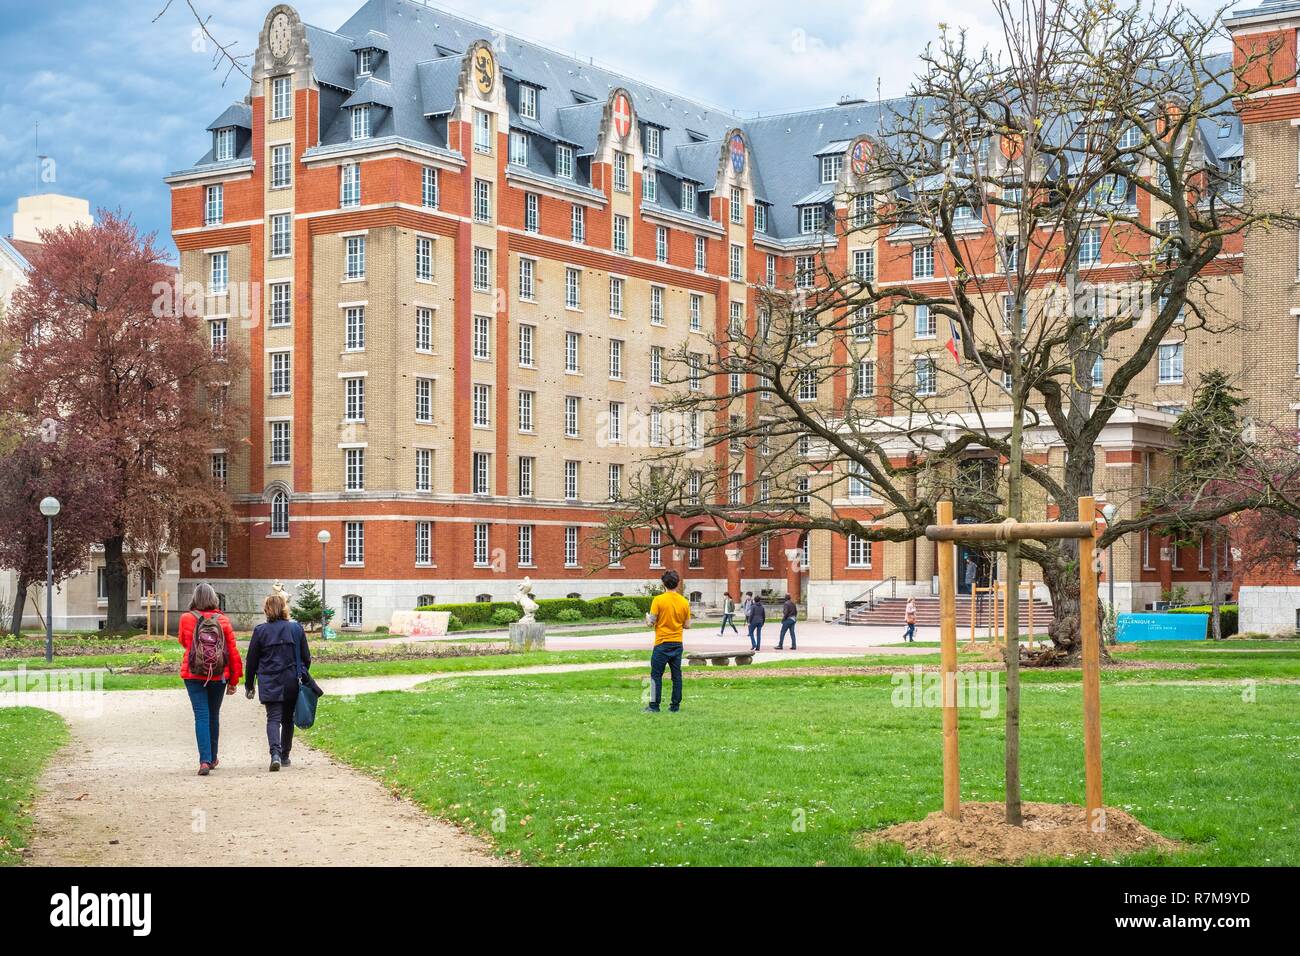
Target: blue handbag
point(304, 708)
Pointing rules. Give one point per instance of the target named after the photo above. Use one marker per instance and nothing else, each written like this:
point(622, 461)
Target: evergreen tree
point(307, 608)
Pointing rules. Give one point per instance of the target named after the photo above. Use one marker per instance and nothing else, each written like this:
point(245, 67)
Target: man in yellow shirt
point(670, 613)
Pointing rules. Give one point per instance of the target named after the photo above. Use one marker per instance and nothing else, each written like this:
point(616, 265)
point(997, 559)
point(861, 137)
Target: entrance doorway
point(974, 567)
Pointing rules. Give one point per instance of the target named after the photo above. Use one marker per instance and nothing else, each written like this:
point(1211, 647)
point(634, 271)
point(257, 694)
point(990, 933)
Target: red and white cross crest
point(622, 116)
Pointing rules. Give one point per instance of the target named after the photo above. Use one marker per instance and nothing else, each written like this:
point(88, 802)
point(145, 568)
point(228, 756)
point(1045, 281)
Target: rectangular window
point(571, 406)
point(527, 101)
point(525, 477)
point(354, 329)
point(1171, 363)
point(424, 543)
point(355, 258)
point(615, 482)
point(424, 330)
point(519, 149)
point(737, 263)
point(423, 469)
point(615, 358)
point(653, 141)
point(926, 323)
point(217, 336)
point(482, 466)
point(812, 219)
point(661, 244)
point(572, 289)
point(281, 304)
point(280, 373)
point(429, 187)
point(354, 399)
point(805, 272)
point(526, 335)
point(656, 548)
point(620, 234)
point(571, 480)
point(864, 265)
point(620, 172)
point(350, 185)
point(688, 198)
point(218, 467)
point(214, 206)
point(423, 259)
point(925, 377)
point(578, 223)
point(701, 254)
point(695, 368)
point(616, 297)
point(656, 305)
point(656, 365)
point(831, 167)
point(482, 339)
point(354, 469)
point(922, 262)
point(424, 401)
point(526, 411)
point(481, 543)
point(360, 122)
point(280, 443)
point(859, 482)
point(649, 186)
point(808, 385)
point(616, 421)
point(864, 209)
point(697, 312)
point(281, 167)
point(572, 354)
point(864, 382)
point(217, 548)
point(563, 161)
point(760, 217)
point(482, 406)
point(281, 97)
point(281, 236)
point(525, 553)
point(218, 273)
point(530, 212)
point(482, 200)
point(482, 269)
point(482, 131)
point(570, 546)
point(224, 144)
point(1089, 246)
point(737, 205)
point(526, 267)
point(859, 552)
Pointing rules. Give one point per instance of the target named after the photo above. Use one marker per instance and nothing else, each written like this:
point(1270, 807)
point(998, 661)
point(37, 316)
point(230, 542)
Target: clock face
point(279, 36)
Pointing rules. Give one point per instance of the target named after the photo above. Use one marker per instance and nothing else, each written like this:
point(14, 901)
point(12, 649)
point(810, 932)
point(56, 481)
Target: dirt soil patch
point(1051, 830)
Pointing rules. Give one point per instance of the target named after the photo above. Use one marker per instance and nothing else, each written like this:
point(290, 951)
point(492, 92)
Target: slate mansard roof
point(415, 79)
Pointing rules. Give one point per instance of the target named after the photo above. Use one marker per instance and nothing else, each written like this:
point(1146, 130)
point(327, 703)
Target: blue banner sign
point(1162, 627)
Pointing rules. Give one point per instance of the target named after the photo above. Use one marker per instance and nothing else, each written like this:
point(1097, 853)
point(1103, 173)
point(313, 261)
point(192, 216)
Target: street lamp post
point(324, 538)
point(1109, 511)
point(49, 508)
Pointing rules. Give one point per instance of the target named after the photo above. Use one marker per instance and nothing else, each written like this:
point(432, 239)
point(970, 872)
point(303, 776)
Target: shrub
point(625, 609)
point(569, 615)
point(1227, 617)
point(382, 629)
point(454, 624)
point(505, 615)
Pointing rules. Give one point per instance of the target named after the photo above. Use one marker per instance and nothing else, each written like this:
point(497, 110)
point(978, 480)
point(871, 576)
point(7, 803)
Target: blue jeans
point(205, 699)
point(910, 633)
point(670, 655)
point(728, 619)
point(755, 636)
point(786, 625)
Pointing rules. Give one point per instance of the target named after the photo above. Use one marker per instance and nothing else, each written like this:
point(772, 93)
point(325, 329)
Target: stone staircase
point(890, 612)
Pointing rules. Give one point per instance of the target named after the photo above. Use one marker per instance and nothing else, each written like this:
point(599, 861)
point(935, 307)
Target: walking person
point(789, 614)
point(278, 654)
point(210, 668)
point(728, 614)
point(755, 617)
point(670, 613)
point(909, 617)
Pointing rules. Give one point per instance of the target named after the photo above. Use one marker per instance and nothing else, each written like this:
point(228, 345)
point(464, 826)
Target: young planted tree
point(97, 350)
point(1064, 213)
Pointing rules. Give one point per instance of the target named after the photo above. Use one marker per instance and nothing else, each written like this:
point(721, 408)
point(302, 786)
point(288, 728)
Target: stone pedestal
point(528, 636)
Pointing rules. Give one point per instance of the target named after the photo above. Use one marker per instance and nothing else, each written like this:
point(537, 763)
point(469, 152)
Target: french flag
point(954, 343)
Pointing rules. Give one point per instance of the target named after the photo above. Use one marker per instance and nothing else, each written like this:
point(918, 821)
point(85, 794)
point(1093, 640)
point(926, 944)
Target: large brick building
point(456, 262)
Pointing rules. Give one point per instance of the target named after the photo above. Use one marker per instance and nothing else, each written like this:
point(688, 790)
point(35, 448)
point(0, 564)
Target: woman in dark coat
point(272, 668)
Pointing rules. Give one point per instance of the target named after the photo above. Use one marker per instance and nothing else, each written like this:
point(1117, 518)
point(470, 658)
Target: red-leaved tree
point(97, 350)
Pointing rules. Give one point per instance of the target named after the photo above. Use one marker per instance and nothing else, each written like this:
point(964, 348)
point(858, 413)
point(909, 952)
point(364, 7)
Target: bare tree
point(222, 53)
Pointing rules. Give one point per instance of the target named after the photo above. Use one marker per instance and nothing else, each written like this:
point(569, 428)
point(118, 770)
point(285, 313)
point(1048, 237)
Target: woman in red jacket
point(207, 689)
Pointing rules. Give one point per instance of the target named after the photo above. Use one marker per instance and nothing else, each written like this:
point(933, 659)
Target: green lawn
point(28, 738)
point(579, 775)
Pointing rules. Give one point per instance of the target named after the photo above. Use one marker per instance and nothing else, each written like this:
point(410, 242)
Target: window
point(281, 167)
point(808, 385)
point(218, 273)
point(656, 548)
point(481, 540)
point(701, 253)
point(922, 262)
point(482, 200)
point(223, 147)
point(649, 186)
point(615, 482)
point(695, 370)
point(656, 365)
point(737, 263)
point(281, 236)
point(572, 352)
point(579, 223)
point(864, 380)
point(805, 272)
point(926, 323)
point(1089, 246)
point(354, 400)
point(354, 329)
point(217, 547)
point(803, 490)
point(764, 552)
point(770, 271)
point(423, 546)
point(424, 330)
point(859, 482)
point(688, 197)
point(526, 335)
point(736, 319)
point(280, 514)
point(360, 122)
point(620, 172)
point(616, 297)
point(526, 411)
point(365, 59)
point(429, 187)
point(530, 212)
point(563, 161)
point(863, 325)
point(280, 372)
point(859, 552)
point(482, 131)
point(656, 426)
point(482, 338)
point(482, 269)
point(571, 406)
point(525, 477)
point(354, 543)
point(653, 141)
point(482, 406)
point(352, 613)
point(527, 101)
point(620, 234)
point(280, 444)
point(615, 358)
point(214, 206)
point(616, 422)
point(525, 552)
point(697, 312)
point(734, 488)
point(737, 205)
point(355, 258)
point(661, 244)
point(811, 219)
point(760, 217)
point(281, 304)
point(864, 209)
point(570, 546)
point(571, 480)
point(424, 401)
point(925, 377)
point(526, 267)
point(519, 149)
point(482, 471)
point(423, 469)
point(864, 264)
point(1098, 372)
point(423, 259)
point(831, 167)
point(656, 305)
point(219, 467)
point(217, 336)
point(1171, 363)
point(693, 553)
point(572, 288)
point(354, 469)
point(281, 97)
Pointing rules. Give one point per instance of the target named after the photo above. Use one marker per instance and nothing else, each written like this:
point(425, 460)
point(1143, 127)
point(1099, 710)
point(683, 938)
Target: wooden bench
point(720, 658)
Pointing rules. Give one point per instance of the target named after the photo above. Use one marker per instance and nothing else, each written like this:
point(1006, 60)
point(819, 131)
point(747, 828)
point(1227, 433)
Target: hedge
point(1227, 617)
point(548, 609)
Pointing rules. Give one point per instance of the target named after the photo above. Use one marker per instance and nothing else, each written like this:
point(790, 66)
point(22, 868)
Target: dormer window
point(365, 62)
point(528, 101)
point(812, 219)
point(760, 217)
point(688, 197)
point(563, 161)
point(361, 122)
point(831, 167)
point(223, 146)
point(653, 141)
point(518, 149)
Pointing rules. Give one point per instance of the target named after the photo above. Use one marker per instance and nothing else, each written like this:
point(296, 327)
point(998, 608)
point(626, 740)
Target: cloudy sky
point(123, 98)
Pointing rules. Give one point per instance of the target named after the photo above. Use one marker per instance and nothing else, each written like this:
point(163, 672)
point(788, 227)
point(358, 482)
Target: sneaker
point(275, 763)
point(649, 710)
point(284, 761)
point(215, 763)
point(205, 769)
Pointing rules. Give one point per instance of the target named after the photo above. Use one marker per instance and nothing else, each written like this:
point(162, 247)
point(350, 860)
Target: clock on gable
point(278, 36)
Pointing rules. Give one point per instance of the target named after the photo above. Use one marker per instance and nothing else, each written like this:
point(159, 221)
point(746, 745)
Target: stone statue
point(527, 633)
point(278, 590)
point(524, 598)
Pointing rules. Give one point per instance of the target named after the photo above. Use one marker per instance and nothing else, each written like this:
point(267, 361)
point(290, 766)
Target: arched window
point(280, 513)
point(484, 599)
point(425, 600)
point(697, 597)
point(352, 610)
point(573, 594)
point(615, 593)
